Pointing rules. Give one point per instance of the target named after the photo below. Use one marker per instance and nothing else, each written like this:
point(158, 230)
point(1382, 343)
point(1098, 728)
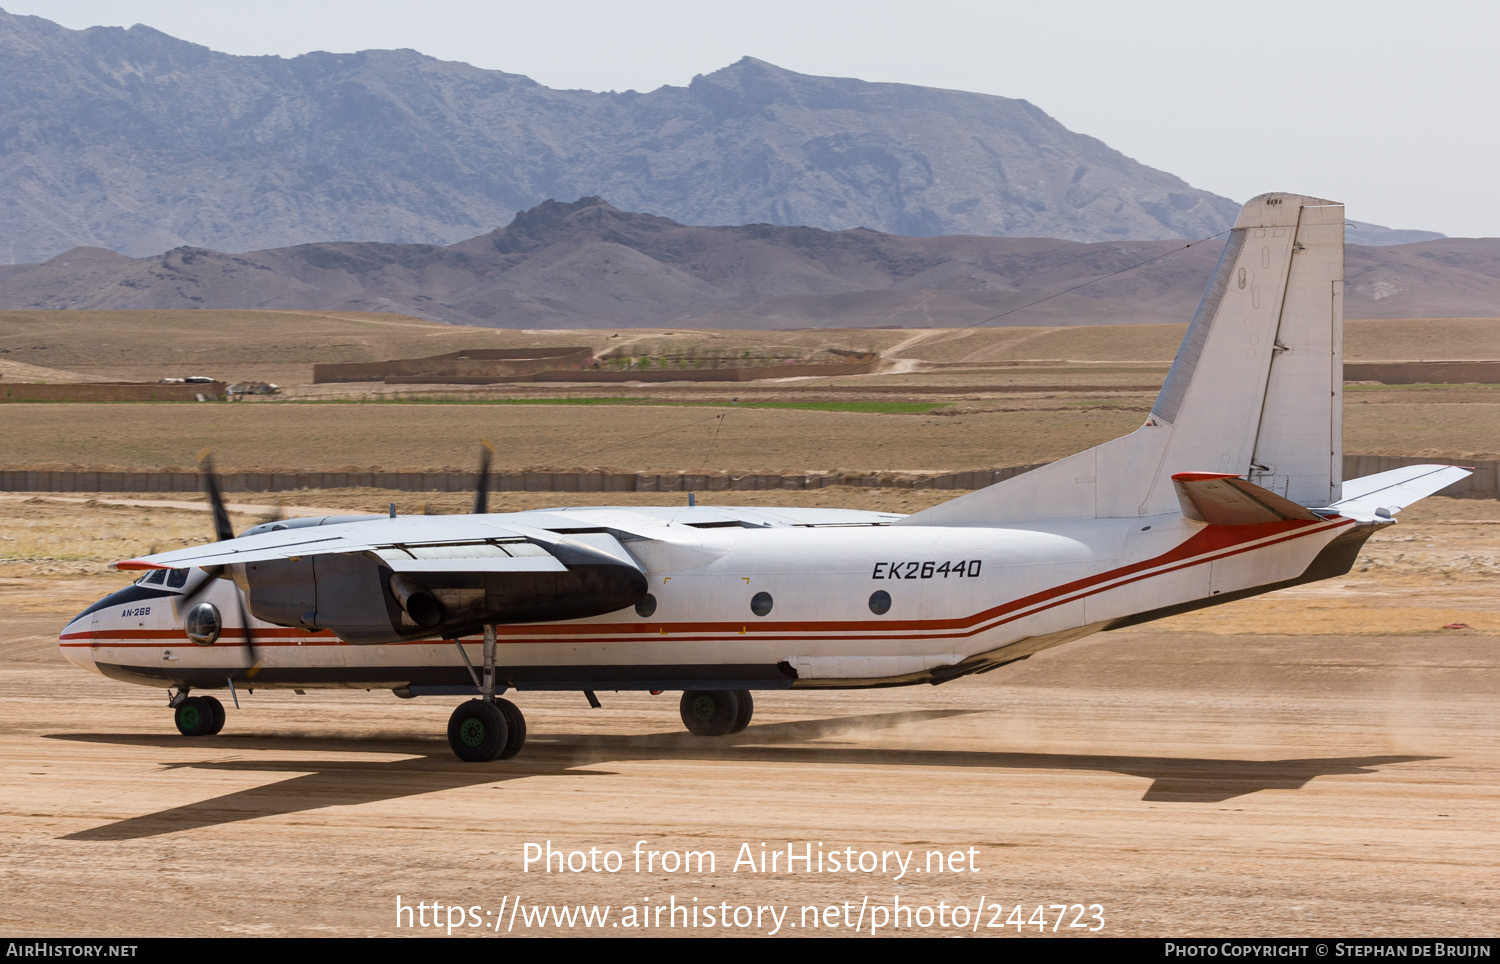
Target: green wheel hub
point(199, 716)
point(477, 731)
point(471, 732)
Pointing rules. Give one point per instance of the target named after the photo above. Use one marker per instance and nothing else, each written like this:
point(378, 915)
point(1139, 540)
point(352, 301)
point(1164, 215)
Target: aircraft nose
point(76, 642)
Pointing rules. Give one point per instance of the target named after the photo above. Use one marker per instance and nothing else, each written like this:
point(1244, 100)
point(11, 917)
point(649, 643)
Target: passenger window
point(760, 603)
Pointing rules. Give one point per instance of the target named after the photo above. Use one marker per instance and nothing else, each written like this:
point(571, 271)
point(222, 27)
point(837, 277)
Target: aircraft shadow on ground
point(429, 767)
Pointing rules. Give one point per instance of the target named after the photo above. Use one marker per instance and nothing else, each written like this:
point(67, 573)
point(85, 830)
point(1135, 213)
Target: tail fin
point(1256, 389)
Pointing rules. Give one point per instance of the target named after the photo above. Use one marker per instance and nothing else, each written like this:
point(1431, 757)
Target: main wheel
point(194, 717)
point(515, 728)
point(217, 709)
point(477, 731)
point(747, 709)
point(710, 712)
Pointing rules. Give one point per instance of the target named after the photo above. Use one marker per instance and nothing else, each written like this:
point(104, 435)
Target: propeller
point(223, 531)
point(222, 528)
point(482, 486)
point(277, 514)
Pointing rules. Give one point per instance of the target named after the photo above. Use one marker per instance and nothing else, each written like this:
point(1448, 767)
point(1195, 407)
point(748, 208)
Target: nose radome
point(76, 643)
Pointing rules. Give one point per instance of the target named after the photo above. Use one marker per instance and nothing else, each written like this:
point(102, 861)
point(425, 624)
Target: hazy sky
point(1388, 107)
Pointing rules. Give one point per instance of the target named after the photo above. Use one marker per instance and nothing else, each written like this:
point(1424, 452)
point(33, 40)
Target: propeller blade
point(482, 487)
point(275, 515)
point(187, 600)
point(222, 529)
point(252, 658)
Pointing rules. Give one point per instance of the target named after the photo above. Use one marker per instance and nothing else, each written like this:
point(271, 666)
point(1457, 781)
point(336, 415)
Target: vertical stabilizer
point(1299, 444)
point(1256, 389)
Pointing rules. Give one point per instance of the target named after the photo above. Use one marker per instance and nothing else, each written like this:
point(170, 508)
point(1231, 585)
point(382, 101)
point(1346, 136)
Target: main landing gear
point(489, 728)
point(716, 712)
point(483, 730)
point(199, 716)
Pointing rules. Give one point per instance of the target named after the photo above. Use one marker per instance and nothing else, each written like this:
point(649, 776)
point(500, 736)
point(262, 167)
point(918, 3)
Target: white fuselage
point(961, 599)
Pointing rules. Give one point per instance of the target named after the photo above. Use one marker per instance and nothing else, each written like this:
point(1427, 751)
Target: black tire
point(746, 710)
point(709, 712)
point(515, 728)
point(194, 717)
point(477, 731)
point(219, 715)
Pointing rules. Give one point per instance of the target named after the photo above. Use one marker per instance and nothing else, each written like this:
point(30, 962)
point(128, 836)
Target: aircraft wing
point(407, 544)
point(1381, 496)
point(386, 579)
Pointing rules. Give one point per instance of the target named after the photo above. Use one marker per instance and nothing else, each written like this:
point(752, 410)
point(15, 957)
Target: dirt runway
point(1323, 760)
point(1188, 784)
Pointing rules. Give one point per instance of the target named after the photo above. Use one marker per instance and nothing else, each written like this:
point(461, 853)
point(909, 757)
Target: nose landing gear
point(199, 716)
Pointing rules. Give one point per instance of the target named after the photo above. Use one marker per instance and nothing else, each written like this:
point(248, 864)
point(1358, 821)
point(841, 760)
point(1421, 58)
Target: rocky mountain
point(588, 264)
point(138, 142)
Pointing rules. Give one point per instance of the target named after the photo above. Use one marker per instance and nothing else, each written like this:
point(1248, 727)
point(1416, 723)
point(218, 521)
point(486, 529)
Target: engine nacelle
point(363, 599)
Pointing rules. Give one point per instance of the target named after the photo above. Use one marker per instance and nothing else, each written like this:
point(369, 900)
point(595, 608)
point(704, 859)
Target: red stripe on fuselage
point(1196, 551)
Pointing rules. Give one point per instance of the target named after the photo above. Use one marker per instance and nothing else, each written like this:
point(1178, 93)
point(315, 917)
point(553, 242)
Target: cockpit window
point(156, 577)
point(177, 578)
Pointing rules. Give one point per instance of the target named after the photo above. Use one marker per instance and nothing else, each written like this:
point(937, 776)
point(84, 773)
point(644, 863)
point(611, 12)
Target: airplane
point(1232, 487)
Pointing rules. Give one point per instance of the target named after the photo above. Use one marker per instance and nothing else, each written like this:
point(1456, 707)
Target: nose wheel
point(716, 712)
point(483, 730)
point(199, 716)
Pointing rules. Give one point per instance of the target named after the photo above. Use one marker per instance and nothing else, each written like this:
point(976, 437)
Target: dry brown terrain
point(281, 346)
point(1009, 396)
point(983, 432)
point(646, 438)
point(1318, 761)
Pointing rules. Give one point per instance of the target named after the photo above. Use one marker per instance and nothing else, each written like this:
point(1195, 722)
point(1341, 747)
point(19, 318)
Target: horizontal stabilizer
point(1228, 500)
point(1382, 495)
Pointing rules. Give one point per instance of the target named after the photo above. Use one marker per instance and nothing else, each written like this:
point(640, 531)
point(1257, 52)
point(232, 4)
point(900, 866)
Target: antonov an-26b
point(1232, 487)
